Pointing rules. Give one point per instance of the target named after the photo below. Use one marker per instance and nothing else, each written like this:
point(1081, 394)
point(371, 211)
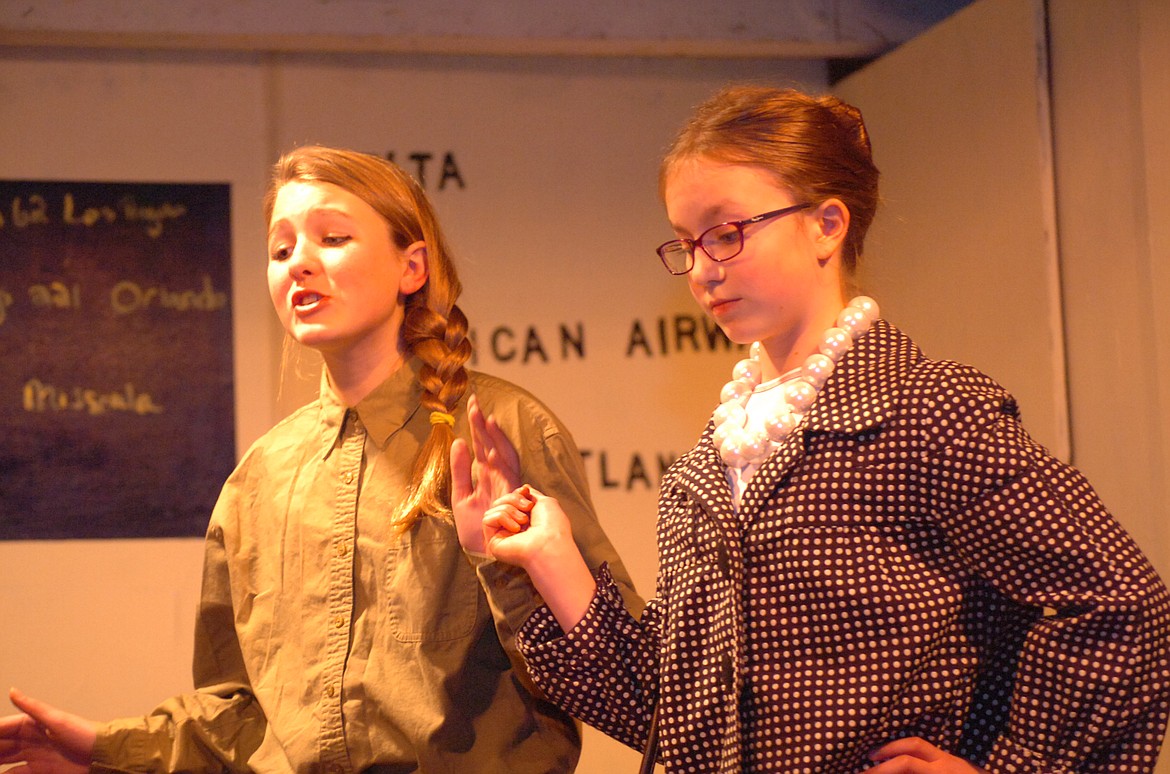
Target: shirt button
point(339, 621)
point(347, 477)
point(343, 549)
point(330, 691)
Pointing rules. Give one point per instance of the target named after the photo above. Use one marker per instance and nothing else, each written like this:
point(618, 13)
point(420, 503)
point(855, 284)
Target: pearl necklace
point(740, 447)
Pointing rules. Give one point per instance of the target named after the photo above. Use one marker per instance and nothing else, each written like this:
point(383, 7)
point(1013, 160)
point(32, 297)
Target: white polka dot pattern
point(886, 575)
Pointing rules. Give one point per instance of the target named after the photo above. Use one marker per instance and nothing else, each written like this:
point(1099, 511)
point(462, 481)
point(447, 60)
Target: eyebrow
point(329, 209)
point(325, 209)
point(710, 214)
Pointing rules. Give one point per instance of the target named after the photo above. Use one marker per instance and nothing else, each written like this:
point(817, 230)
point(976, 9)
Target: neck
point(355, 376)
point(783, 353)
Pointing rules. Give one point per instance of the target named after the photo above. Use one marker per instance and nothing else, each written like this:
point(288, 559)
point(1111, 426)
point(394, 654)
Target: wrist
point(565, 582)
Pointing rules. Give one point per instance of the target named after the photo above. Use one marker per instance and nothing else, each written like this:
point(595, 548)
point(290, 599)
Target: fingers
point(17, 730)
point(23, 736)
point(10, 726)
point(502, 450)
point(510, 513)
point(913, 755)
point(485, 433)
point(506, 517)
point(478, 427)
point(39, 711)
point(490, 443)
point(72, 737)
point(532, 493)
point(491, 447)
point(909, 745)
point(522, 498)
point(461, 486)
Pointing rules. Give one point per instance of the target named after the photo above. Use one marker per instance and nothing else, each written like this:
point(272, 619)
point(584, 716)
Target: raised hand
point(913, 755)
point(510, 534)
point(528, 529)
point(45, 739)
point(497, 472)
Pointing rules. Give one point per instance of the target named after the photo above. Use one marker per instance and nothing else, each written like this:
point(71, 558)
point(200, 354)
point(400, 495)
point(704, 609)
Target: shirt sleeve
point(1090, 690)
point(218, 726)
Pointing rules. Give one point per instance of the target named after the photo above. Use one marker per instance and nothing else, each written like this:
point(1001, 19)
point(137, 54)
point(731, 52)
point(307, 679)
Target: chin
point(309, 338)
point(737, 335)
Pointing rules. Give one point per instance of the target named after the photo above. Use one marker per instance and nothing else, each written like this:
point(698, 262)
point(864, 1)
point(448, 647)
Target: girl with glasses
point(865, 563)
point(342, 626)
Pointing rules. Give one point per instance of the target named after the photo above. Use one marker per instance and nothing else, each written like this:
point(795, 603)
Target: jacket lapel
point(705, 478)
point(857, 397)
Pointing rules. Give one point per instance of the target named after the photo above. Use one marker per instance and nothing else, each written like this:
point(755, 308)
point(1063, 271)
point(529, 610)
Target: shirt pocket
point(431, 589)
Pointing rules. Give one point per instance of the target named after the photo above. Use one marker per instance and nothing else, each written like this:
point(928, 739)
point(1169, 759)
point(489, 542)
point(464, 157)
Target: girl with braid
point(342, 626)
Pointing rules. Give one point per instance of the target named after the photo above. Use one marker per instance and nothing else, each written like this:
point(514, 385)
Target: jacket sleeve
point(605, 671)
point(1090, 691)
point(218, 726)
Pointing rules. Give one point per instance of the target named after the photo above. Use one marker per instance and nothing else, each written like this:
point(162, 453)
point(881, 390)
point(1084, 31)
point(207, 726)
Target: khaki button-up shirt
point(326, 641)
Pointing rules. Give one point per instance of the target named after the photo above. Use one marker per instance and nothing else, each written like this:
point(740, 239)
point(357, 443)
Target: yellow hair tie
point(442, 417)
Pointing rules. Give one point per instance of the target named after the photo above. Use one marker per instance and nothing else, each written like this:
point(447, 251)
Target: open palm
point(496, 469)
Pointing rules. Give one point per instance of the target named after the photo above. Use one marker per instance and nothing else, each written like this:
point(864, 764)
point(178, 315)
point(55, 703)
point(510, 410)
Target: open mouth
point(303, 299)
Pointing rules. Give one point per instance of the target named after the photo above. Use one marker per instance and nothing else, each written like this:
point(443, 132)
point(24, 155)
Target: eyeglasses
point(720, 243)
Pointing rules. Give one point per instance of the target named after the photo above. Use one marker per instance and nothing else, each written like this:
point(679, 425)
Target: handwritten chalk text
point(40, 397)
point(128, 297)
point(32, 213)
point(55, 295)
point(36, 210)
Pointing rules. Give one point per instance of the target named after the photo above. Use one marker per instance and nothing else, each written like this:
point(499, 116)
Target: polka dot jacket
point(909, 562)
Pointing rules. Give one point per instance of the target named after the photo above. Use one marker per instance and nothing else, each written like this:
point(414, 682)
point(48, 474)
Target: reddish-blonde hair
point(815, 147)
point(434, 329)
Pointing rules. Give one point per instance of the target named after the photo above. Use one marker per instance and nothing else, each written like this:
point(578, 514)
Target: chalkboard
point(116, 392)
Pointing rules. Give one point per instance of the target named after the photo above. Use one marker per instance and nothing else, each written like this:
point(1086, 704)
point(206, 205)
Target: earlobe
point(415, 269)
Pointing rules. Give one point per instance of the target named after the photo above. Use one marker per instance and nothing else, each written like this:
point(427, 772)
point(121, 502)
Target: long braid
point(443, 347)
point(434, 330)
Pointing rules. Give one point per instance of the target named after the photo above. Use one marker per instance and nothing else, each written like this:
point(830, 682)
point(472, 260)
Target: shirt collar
point(383, 412)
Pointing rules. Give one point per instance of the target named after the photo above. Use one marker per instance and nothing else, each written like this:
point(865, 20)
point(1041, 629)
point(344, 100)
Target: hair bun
point(849, 119)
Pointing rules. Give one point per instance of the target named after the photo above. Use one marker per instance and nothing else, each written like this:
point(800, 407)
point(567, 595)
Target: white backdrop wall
point(1112, 158)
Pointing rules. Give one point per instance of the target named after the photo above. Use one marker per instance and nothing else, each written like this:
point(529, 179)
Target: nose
point(704, 271)
point(303, 260)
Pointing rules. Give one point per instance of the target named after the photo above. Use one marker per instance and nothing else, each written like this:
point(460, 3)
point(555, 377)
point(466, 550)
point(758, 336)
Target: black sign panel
point(116, 404)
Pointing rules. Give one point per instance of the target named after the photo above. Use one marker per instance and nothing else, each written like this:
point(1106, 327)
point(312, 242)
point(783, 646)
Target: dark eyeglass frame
point(689, 245)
